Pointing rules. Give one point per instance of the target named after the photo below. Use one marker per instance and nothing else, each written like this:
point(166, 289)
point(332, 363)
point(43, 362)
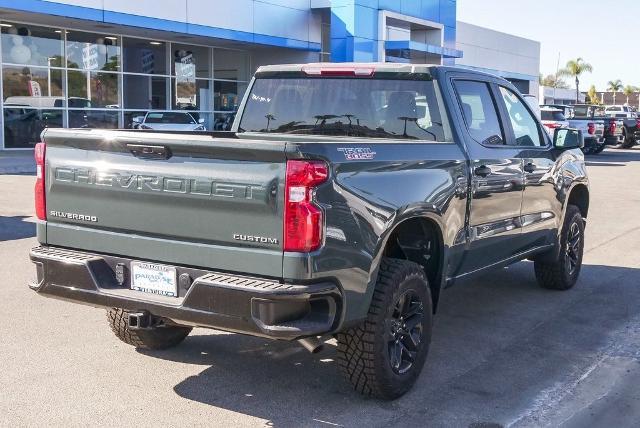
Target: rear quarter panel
point(366, 198)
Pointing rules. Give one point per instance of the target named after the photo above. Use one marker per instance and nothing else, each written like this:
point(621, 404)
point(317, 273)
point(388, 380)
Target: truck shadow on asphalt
point(17, 227)
point(500, 342)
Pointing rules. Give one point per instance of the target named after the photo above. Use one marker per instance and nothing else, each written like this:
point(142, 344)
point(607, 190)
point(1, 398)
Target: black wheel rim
point(574, 243)
point(405, 331)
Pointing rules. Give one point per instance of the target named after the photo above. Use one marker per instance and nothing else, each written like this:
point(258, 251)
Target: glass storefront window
point(31, 45)
point(32, 86)
point(144, 56)
point(192, 95)
point(90, 51)
point(145, 92)
point(92, 89)
point(58, 77)
point(230, 65)
point(228, 95)
point(129, 123)
point(23, 125)
point(191, 61)
point(102, 119)
point(223, 121)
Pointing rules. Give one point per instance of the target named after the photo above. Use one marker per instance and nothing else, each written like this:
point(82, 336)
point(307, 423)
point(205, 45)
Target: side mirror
point(138, 119)
point(565, 138)
point(201, 120)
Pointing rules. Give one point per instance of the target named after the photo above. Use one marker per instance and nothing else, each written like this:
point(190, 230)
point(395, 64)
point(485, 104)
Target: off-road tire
point(155, 338)
point(364, 351)
point(559, 275)
point(628, 142)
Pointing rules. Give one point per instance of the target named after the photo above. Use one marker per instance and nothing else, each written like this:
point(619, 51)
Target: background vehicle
point(552, 119)
point(341, 204)
point(586, 113)
point(619, 112)
point(566, 110)
point(630, 132)
point(169, 121)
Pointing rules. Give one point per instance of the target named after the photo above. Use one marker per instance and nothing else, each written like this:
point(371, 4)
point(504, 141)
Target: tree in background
point(553, 81)
point(576, 68)
point(593, 95)
point(628, 91)
point(614, 86)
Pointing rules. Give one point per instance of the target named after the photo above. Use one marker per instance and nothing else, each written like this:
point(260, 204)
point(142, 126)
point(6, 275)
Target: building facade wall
point(514, 58)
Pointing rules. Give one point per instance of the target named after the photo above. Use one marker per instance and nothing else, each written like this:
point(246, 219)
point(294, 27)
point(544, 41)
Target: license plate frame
point(154, 278)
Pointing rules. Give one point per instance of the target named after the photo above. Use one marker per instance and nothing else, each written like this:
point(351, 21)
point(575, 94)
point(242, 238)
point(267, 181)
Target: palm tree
point(576, 68)
point(614, 86)
point(628, 91)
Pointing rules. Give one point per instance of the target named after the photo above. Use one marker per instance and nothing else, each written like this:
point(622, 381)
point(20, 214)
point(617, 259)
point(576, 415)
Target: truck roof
point(360, 68)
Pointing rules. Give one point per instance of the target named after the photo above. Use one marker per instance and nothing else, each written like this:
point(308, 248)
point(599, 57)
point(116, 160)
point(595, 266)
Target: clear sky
point(606, 33)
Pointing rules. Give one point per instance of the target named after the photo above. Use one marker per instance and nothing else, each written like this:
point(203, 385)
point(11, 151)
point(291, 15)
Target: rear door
point(541, 207)
point(497, 177)
point(193, 200)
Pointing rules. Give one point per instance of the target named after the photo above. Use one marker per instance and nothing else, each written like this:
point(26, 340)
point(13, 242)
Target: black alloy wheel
point(405, 331)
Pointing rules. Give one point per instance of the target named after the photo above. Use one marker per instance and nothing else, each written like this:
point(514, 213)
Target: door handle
point(530, 167)
point(149, 152)
point(482, 171)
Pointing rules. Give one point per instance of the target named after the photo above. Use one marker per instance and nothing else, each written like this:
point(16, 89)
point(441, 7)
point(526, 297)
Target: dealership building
point(107, 63)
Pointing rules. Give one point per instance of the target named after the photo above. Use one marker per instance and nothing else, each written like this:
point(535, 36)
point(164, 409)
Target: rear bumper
point(255, 306)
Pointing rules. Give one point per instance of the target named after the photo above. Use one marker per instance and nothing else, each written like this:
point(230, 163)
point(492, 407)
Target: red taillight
point(612, 127)
point(552, 125)
point(303, 219)
point(638, 124)
point(591, 128)
point(39, 190)
point(338, 71)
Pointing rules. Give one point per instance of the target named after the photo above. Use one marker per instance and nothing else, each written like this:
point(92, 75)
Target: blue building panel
point(284, 23)
point(430, 10)
point(356, 21)
point(448, 13)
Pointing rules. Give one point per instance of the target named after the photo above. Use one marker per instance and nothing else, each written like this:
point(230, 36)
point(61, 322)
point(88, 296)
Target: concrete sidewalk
point(17, 162)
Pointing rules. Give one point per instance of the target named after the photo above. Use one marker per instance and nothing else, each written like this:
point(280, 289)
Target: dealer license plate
point(154, 278)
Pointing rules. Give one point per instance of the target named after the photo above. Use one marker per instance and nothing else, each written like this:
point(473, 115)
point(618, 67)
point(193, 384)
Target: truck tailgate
point(194, 200)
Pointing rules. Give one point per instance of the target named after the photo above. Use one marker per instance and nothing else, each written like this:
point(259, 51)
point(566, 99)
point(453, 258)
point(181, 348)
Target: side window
point(479, 111)
point(525, 126)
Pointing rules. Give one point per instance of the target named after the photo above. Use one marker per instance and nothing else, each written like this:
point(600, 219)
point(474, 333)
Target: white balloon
point(17, 40)
point(20, 54)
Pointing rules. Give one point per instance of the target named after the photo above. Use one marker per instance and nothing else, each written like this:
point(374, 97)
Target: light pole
point(49, 59)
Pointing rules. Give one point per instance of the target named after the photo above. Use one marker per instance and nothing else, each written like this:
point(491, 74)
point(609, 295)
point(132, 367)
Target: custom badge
point(357, 153)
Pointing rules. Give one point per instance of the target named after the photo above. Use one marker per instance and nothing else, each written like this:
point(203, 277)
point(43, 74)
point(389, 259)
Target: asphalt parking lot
point(504, 353)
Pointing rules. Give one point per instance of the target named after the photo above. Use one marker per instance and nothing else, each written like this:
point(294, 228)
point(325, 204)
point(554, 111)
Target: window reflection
point(103, 119)
point(91, 51)
point(144, 56)
point(190, 62)
point(23, 125)
point(33, 86)
point(92, 89)
point(227, 95)
point(145, 92)
point(223, 121)
point(31, 45)
point(192, 95)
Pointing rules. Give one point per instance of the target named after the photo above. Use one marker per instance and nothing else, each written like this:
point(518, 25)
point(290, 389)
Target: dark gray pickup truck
point(345, 198)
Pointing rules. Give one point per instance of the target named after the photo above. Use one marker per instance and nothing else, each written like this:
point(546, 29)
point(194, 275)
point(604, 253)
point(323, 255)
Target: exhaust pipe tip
point(311, 344)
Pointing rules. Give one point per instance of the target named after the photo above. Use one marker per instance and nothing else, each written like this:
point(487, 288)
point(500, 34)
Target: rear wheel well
point(419, 240)
point(579, 197)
